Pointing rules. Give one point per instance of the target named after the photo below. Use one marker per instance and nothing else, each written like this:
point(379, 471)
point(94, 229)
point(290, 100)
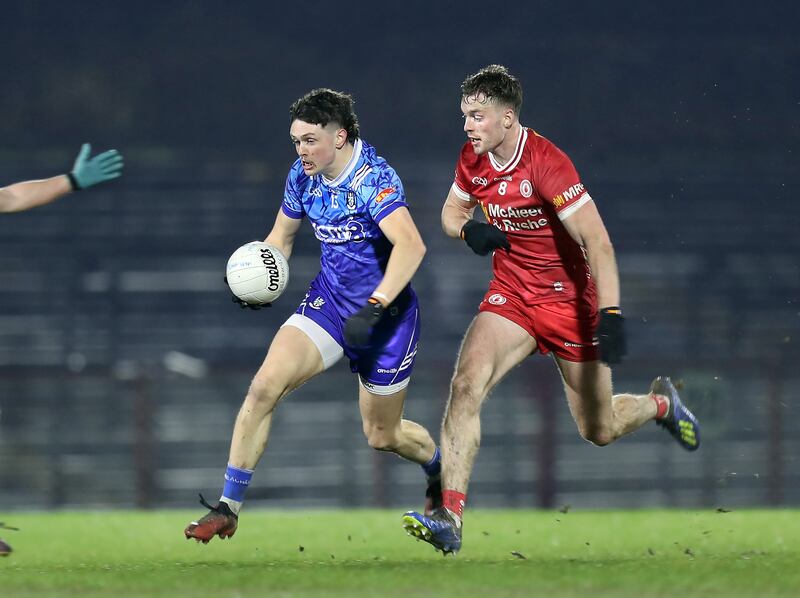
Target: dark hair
point(496, 83)
point(323, 106)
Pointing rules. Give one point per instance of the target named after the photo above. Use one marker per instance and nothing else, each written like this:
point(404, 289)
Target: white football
point(257, 272)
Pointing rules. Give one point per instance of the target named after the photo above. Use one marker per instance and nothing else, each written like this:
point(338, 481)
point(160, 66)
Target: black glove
point(484, 238)
point(359, 326)
point(611, 335)
point(244, 304)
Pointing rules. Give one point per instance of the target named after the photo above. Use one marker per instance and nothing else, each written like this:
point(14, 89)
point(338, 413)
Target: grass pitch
point(366, 553)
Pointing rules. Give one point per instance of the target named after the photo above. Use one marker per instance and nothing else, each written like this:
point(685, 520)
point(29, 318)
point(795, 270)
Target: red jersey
point(527, 198)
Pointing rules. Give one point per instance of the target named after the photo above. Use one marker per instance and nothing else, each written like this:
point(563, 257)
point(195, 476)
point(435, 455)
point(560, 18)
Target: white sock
point(234, 505)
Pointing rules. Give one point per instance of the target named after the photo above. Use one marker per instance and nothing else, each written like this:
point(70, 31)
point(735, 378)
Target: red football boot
point(220, 521)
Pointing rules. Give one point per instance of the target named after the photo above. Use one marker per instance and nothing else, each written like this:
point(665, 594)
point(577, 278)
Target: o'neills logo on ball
point(272, 268)
point(496, 299)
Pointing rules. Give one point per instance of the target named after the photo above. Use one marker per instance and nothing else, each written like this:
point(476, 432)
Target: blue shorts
point(385, 366)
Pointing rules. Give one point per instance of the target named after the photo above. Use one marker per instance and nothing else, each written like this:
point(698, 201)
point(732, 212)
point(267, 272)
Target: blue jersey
point(345, 213)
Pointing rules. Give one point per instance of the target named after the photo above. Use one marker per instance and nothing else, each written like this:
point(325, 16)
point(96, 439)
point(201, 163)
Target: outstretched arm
point(31, 194)
point(85, 173)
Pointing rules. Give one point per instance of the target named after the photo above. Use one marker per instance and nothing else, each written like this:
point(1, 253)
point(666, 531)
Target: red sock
point(662, 405)
point(453, 501)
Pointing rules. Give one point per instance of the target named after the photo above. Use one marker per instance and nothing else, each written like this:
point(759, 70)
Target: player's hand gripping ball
point(257, 274)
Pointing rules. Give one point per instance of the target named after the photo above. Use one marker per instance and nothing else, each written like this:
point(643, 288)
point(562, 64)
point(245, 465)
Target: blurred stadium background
point(123, 363)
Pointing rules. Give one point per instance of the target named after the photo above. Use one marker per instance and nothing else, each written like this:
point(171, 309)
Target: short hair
point(496, 83)
point(323, 106)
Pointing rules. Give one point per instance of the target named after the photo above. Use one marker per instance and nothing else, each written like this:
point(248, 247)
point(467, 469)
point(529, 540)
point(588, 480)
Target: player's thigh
point(492, 346)
point(588, 388)
point(382, 411)
point(292, 359)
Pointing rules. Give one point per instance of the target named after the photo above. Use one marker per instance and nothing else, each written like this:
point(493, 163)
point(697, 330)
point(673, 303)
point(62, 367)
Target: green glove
point(92, 171)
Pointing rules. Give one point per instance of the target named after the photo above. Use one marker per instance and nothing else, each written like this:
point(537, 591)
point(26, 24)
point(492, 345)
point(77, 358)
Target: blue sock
point(433, 467)
point(236, 483)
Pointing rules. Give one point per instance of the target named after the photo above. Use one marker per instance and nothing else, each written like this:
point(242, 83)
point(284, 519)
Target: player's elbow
point(414, 247)
point(452, 226)
point(599, 243)
point(452, 220)
point(421, 248)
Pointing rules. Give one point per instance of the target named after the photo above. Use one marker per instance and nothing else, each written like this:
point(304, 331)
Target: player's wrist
point(380, 298)
point(359, 326)
point(73, 182)
point(469, 224)
point(373, 310)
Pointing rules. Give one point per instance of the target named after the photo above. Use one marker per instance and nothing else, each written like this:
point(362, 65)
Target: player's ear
point(341, 138)
point(508, 118)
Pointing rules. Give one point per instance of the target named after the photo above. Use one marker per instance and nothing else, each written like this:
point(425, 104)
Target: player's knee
point(465, 394)
point(264, 393)
point(598, 436)
point(379, 437)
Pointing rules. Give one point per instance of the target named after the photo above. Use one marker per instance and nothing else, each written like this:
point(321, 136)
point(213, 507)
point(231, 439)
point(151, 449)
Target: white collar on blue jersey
point(348, 169)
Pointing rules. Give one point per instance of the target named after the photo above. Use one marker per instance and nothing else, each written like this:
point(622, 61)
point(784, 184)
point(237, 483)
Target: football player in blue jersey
point(360, 305)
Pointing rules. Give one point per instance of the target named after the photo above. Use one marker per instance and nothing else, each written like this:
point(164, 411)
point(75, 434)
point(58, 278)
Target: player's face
point(485, 123)
point(316, 146)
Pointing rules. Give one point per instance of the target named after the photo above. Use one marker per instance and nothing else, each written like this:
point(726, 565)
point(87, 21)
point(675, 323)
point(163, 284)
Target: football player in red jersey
point(555, 289)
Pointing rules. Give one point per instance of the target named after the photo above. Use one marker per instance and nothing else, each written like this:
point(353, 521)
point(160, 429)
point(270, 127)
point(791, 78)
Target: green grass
point(366, 553)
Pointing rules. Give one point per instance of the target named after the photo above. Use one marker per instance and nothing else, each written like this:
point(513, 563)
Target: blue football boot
point(440, 530)
point(679, 421)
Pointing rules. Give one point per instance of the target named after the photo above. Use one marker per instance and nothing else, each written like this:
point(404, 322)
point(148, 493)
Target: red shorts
point(567, 328)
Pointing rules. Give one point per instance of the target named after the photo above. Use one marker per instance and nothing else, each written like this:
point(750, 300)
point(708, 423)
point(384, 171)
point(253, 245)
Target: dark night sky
point(198, 78)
